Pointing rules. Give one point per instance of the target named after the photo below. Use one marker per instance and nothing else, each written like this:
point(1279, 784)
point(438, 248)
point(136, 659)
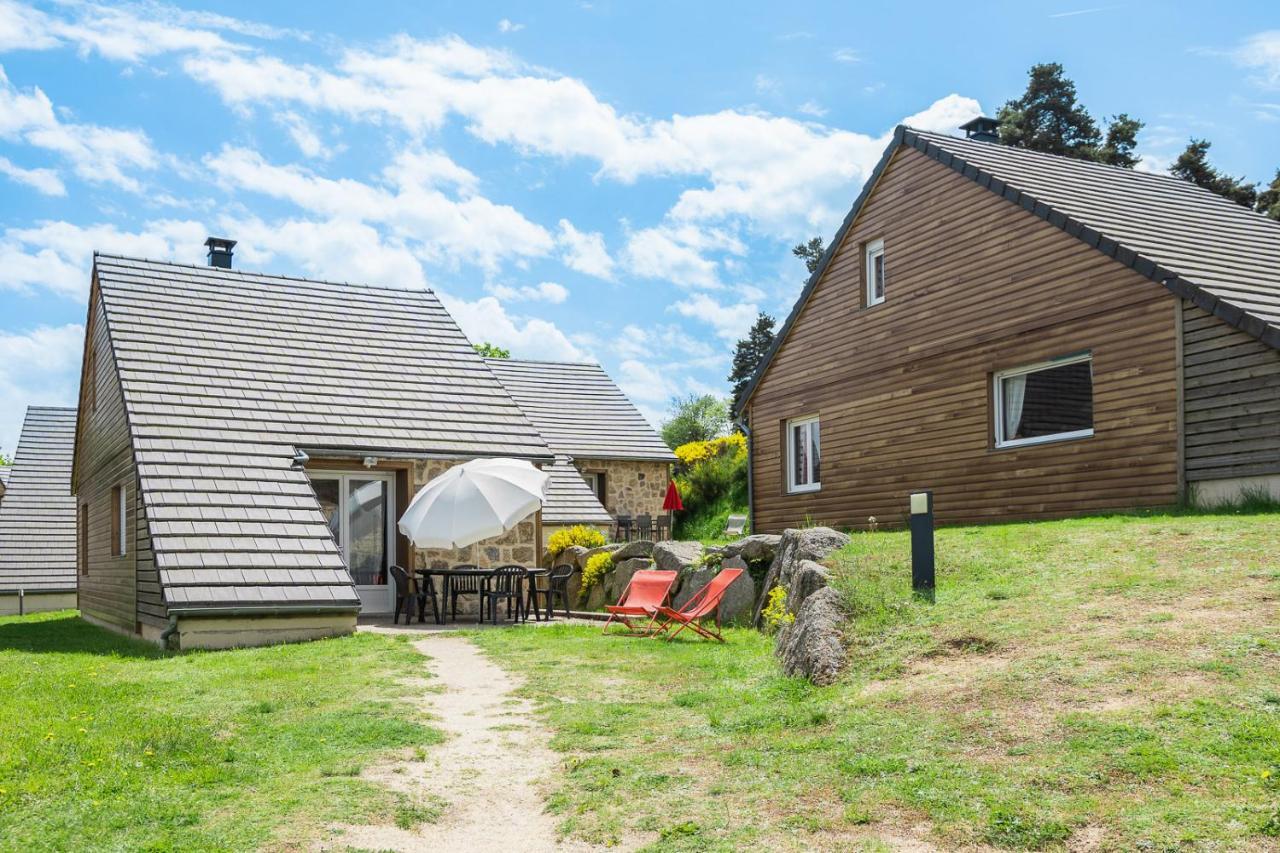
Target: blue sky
point(580, 180)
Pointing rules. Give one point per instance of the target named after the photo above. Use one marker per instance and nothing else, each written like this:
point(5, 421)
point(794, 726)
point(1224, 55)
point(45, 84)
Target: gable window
point(84, 539)
point(804, 455)
point(118, 546)
point(1049, 401)
point(595, 480)
point(875, 272)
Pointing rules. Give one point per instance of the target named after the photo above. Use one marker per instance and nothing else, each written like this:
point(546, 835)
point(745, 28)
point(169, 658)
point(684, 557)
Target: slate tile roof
point(38, 513)
point(225, 373)
point(1225, 252)
point(579, 411)
point(569, 499)
point(1201, 246)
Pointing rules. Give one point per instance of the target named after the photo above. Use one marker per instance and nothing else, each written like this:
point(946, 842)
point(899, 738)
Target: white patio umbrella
point(477, 500)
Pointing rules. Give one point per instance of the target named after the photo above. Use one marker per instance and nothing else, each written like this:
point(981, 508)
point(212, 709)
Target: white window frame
point(997, 393)
point(814, 485)
point(875, 249)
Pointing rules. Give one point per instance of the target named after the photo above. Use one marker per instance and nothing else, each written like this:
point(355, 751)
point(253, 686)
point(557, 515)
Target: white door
point(360, 508)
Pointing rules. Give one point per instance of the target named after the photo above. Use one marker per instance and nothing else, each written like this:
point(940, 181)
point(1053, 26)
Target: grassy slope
point(106, 743)
point(1095, 682)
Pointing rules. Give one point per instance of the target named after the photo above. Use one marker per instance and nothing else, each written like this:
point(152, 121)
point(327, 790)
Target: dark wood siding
point(1231, 383)
point(104, 461)
point(974, 285)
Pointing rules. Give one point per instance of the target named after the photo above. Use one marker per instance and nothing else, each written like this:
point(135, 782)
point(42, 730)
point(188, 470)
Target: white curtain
point(1014, 389)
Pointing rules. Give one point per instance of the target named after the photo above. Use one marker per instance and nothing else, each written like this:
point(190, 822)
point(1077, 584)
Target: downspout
point(741, 423)
point(169, 631)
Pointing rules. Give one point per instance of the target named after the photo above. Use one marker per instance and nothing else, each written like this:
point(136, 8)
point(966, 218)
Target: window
point(118, 548)
point(595, 480)
point(84, 539)
point(1050, 401)
point(803, 455)
point(875, 272)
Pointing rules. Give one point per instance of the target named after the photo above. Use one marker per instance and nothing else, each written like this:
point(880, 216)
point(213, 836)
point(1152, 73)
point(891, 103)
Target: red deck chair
point(647, 591)
point(704, 604)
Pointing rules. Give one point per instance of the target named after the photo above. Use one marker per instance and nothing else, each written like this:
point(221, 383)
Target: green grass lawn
point(1103, 683)
point(109, 744)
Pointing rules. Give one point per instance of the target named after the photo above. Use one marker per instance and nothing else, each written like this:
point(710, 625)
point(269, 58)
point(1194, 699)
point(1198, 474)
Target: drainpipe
point(22, 602)
point(741, 423)
point(169, 632)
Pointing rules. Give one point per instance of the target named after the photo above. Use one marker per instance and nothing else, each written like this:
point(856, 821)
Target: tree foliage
point(810, 253)
point(489, 350)
point(1193, 165)
point(696, 417)
point(1049, 117)
point(1269, 198)
point(750, 352)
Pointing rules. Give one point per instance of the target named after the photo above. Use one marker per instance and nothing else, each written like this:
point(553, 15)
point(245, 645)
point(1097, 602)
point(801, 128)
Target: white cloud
point(304, 135)
point(547, 291)
point(846, 55)
point(677, 253)
point(945, 115)
point(96, 154)
point(42, 180)
point(812, 108)
point(40, 367)
point(506, 26)
point(1261, 54)
point(730, 322)
point(59, 255)
point(439, 227)
point(584, 252)
point(527, 337)
point(766, 85)
point(334, 249)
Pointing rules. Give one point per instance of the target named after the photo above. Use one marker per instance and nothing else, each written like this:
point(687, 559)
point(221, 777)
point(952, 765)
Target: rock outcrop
point(812, 646)
point(639, 548)
point(755, 548)
point(795, 547)
point(676, 556)
point(807, 578)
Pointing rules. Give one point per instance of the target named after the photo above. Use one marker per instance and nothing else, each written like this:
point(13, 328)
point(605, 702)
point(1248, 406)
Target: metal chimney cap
point(220, 251)
point(982, 129)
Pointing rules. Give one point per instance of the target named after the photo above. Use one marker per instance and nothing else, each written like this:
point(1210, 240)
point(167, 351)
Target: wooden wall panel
point(1231, 384)
point(104, 459)
point(974, 285)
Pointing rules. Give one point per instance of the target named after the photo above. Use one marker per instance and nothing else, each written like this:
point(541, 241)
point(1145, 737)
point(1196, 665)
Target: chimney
point(220, 251)
point(981, 129)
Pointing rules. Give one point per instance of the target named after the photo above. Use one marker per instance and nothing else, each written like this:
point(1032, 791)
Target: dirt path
point(485, 773)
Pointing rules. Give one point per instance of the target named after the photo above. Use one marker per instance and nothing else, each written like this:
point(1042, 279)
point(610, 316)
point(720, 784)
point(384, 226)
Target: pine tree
point(1193, 165)
point(1050, 118)
point(750, 352)
point(810, 253)
point(1269, 199)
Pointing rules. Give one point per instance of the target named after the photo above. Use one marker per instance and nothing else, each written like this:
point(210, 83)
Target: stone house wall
point(632, 488)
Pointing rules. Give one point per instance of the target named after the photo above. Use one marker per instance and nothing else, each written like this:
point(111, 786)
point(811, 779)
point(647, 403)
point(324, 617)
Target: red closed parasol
point(672, 500)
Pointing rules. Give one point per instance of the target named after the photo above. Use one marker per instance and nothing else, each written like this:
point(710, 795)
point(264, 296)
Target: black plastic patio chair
point(662, 525)
point(410, 592)
point(557, 588)
point(622, 528)
point(506, 584)
point(644, 526)
point(460, 584)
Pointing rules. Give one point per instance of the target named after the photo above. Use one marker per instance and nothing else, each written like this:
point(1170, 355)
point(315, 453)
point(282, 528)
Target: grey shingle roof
point(225, 373)
point(38, 513)
point(569, 499)
point(1202, 247)
point(579, 411)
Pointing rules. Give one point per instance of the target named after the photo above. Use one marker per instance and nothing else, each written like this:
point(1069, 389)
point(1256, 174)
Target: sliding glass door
point(360, 508)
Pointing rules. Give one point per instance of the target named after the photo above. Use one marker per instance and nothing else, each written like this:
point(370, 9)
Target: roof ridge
point(240, 272)
point(544, 361)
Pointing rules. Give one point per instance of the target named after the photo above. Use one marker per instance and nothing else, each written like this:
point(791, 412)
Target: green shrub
point(579, 534)
point(598, 565)
point(712, 478)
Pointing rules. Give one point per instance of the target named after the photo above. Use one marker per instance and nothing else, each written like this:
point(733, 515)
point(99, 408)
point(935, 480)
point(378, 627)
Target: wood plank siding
point(974, 285)
point(1232, 400)
point(108, 582)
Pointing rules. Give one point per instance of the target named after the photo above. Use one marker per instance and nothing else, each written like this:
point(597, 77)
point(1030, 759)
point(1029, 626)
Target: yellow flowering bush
point(696, 452)
point(598, 565)
point(775, 613)
point(579, 534)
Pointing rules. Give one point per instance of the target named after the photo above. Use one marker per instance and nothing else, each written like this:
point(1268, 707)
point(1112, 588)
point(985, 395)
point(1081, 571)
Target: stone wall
point(518, 545)
point(631, 488)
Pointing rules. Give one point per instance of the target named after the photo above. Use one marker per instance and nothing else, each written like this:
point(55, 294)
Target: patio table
point(446, 575)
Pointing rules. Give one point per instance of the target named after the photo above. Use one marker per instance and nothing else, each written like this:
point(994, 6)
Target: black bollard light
point(922, 562)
